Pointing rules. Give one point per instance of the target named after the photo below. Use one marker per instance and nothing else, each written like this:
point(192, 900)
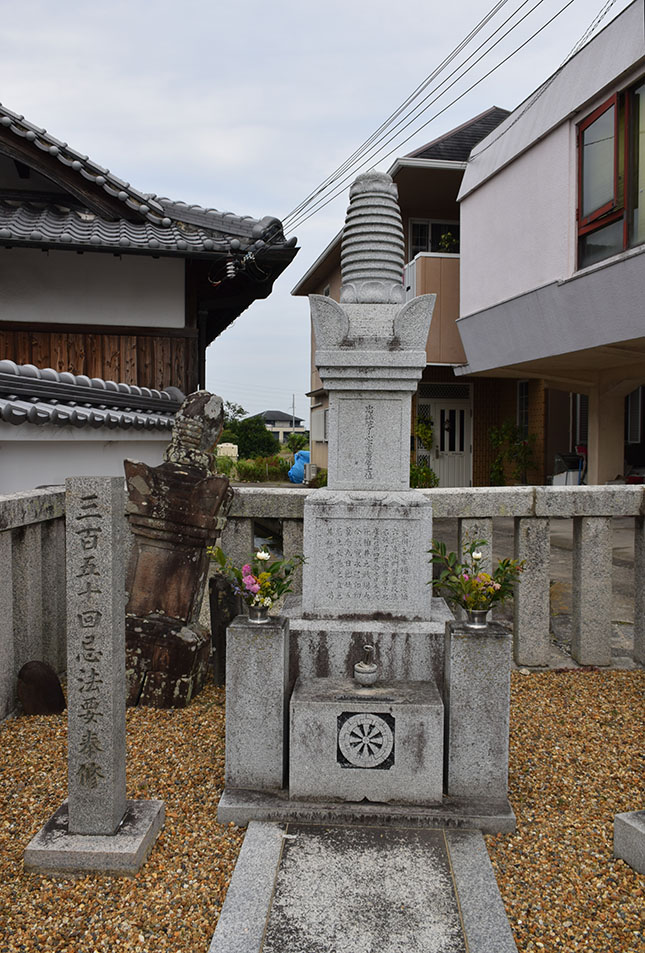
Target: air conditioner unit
point(310, 471)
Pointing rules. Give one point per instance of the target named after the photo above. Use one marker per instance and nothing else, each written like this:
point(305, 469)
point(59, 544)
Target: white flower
point(262, 555)
point(268, 603)
point(477, 555)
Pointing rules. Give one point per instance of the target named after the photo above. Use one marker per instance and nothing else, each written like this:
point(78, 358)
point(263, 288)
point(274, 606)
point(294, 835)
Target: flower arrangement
point(468, 586)
point(259, 582)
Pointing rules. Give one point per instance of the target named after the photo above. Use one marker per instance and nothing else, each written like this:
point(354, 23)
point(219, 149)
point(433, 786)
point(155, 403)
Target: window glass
point(598, 155)
point(637, 225)
point(603, 243)
point(445, 237)
point(420, 238)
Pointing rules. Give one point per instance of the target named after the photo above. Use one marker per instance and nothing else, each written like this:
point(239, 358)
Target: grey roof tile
point(154, 210)
point(457, 144)
point(32, 395)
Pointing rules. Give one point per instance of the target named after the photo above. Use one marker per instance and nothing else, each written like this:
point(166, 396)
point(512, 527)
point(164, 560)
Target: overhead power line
point(389, 127)
point(317, 206)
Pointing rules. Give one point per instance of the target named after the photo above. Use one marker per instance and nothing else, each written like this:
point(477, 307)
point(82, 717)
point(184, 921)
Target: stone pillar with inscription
point(97, 828)
point(367, 533)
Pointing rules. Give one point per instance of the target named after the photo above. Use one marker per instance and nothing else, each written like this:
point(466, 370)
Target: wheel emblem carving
point(365, 740)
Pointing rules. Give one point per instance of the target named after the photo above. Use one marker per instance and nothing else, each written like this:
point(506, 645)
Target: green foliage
point(448, 243)
point(465, 584)
point(225, 465)
point(512, 448)
point(424, 430)
point(260, 581)
point(263, 469)
point(423, 476)
point(228, 435)
point(232, 412)
point(297, 441)
point(253, 439)
point(319, 480)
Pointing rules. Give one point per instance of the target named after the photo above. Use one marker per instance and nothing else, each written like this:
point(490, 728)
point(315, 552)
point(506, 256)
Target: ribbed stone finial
point(372, 251)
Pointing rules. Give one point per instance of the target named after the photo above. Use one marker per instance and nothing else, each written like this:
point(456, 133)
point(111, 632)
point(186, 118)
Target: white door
point(451, 454)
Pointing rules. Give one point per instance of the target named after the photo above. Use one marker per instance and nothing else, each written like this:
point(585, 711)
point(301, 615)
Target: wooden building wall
point(142, 356)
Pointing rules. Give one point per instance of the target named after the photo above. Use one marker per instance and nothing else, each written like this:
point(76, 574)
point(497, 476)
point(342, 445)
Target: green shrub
point(225, 465)
point(263, 469)
point(319, 480)
point(422, 476)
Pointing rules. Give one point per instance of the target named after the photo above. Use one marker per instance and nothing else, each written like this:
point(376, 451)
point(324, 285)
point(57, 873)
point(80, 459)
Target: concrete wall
point(32, 585)
point(92, 288)
point(518, 229)
point(32, 456)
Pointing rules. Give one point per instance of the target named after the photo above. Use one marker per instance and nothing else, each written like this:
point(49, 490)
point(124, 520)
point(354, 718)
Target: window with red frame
point(611, 177)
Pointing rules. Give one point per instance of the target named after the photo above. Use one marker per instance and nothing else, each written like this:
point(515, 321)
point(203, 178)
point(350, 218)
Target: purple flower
point(246, 570)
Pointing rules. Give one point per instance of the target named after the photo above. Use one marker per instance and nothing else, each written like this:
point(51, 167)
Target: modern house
point(461, 410)
point(282, 425)
point(103, 284)
point(553, 249)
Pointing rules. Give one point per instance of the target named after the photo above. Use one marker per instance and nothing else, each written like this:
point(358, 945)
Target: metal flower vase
point(476, 619)
point(258, 614)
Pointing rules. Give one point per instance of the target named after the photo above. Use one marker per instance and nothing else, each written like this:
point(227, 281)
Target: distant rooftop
point(456, 145)
point(278, 416)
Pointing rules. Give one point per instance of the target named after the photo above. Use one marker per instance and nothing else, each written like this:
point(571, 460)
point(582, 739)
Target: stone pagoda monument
point(339, 710)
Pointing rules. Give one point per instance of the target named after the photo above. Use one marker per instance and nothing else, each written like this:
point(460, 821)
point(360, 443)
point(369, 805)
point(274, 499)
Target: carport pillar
point(606, 439)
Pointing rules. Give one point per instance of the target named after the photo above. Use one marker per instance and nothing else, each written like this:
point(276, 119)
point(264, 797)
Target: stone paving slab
point(331, 889)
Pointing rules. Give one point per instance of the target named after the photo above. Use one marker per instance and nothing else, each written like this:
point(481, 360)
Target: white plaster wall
point(45, 456)
point(517, 228)
point(92, 288)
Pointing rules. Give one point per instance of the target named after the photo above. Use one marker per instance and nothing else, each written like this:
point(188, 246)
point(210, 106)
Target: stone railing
point(590, 508)
point(32, 554)
point(32, 591)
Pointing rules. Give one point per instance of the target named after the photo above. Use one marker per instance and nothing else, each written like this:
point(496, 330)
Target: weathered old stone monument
point(301, 730)
point(173, 511)
point(97, 828)
point(366, 716)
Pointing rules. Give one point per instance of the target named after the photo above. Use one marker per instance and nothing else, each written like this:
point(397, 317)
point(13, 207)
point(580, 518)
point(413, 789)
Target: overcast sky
point(248, 106)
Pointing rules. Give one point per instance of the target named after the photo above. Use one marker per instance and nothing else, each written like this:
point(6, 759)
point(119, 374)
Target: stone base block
point(166, 660)
point(55, 851)
point(629, 839)
point(378, 744)
point(329, 648)
point(490, 816)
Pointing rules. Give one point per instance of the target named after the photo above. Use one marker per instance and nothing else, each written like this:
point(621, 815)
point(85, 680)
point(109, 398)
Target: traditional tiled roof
point(456, 145)
point(36, 223)
point(29, 394)
point(140, 220)
point(277, 415)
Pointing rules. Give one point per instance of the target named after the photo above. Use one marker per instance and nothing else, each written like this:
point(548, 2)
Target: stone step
point(315, 889)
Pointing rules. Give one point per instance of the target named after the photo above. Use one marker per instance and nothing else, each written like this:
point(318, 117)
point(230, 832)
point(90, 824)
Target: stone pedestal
point(382, 743)
point(365, 560)
point(256, 704)
point(477, 711)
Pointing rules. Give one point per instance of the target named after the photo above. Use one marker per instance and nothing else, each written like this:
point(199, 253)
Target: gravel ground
point(576, 760)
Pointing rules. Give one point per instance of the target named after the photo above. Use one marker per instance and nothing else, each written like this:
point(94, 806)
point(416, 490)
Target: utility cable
point(321, 204)
point(543, 88)
point(413, 95)
point(420, 108)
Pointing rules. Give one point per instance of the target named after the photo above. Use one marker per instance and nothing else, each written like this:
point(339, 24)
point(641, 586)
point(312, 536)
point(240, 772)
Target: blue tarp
point(297, 472)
